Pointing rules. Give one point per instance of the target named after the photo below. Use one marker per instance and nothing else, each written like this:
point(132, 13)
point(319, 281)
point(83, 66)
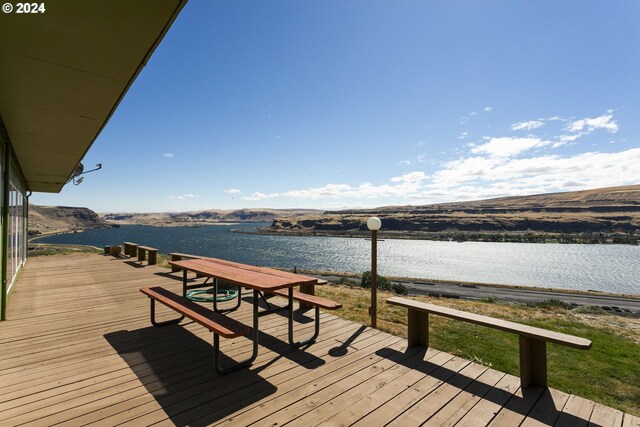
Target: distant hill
point(611, 211)
point(599, 215)
point(206, 216)
point(56, 219)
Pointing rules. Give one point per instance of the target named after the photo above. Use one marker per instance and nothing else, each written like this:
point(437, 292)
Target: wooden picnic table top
point(249, 276)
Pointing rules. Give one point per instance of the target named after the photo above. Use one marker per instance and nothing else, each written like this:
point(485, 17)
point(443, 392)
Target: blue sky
point(335, 104)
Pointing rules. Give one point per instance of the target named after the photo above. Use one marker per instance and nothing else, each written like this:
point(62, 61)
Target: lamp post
point(374, 225)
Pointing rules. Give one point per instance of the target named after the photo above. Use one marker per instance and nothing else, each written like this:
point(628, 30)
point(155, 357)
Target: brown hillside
point(56, 219)
point(604, 210)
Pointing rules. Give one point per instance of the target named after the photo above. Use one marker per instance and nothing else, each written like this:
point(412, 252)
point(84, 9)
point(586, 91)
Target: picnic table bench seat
point(217, 323)
point(533, 350)
point(309, 299)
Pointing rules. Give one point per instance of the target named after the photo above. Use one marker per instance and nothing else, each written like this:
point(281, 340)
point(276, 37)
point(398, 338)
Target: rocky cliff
point(55, 219)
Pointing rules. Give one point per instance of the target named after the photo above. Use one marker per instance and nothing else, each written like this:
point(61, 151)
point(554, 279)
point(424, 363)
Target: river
point(606, 268)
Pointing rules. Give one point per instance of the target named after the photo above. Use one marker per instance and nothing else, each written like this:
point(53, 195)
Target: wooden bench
point(533, 349)
point(130, 248)
point(153, 254)
point(217, 323)
point(306, 301)
point(112, 250)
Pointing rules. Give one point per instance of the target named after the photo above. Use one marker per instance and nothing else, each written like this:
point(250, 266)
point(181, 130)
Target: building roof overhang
point(64, 72)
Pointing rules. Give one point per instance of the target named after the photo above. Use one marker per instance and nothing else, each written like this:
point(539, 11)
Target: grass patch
point(608, 373)
point(41, 249)
point(553, 303)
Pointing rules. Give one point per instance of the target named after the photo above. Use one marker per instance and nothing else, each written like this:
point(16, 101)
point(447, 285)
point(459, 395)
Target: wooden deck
point(78, 348)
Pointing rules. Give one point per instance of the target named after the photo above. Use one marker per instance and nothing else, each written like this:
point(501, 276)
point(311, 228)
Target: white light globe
point(374, 223)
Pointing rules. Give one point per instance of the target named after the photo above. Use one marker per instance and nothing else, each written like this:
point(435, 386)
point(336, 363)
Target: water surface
point(607, 268)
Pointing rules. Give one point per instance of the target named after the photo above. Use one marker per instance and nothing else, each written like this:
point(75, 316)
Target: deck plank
point(605, 416)
point(492, 403)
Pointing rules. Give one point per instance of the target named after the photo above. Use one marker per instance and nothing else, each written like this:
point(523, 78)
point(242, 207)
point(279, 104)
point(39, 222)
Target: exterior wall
point(13, 222)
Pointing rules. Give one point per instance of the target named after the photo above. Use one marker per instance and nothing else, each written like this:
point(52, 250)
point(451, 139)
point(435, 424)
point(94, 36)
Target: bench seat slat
point(214, 322)
point(146, 248)
point(310, 299)
point(503, 325)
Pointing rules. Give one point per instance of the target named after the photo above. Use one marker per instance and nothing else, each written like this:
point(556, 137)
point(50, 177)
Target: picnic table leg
point(184, 282)
point(215, 299)
point(254, 338)
point(317, 324)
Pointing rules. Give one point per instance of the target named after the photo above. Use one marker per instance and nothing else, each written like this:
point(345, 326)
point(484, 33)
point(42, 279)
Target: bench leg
point(141, 254)
point(418, 328)
point(309, 289)
point(153, 255)
point(316, 331)
point(153, 316)
point(533, 362)
point(254, 337)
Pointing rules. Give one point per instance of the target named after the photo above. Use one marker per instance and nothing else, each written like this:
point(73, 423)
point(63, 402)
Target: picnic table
point(261, 280)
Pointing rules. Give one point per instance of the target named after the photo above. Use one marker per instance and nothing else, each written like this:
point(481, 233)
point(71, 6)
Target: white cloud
point(530, 125)
point(482, 177)
point(167, 155)
point(488, 109)
point(563, 139)
point(508, 147)
point(463, 135)
point(233, 191)
point(411, 177)
point(588, 125)
point(473, 113)
point(184, 197)
point(261, 196)
point(402, 186)
point(404, 162)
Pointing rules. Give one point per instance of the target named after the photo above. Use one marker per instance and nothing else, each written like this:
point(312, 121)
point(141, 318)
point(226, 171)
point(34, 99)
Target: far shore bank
point(460, 237)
